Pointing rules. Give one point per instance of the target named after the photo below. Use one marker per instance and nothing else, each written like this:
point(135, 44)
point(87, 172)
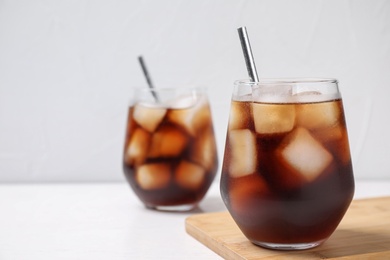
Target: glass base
point(297, 246)
point(177, 208)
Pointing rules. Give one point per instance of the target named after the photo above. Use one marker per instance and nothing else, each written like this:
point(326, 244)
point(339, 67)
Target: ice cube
point(240, 115)
point(185, 101)
point(336, 141)
point(189, 175)
point(273, 91)
point(273, 118)
point(167, 141)
point(138, 146)
point(318, 115)
point(204, 151)
point(328, 134)
point(307, 93)
point(193, 118)
point(246, 193)
point(242, 147)
point(149, 117)
point(309, 96)
point(304, 154)
point(153, 176)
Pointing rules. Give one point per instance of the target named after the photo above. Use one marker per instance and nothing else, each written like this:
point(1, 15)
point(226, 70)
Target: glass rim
point(298, 80)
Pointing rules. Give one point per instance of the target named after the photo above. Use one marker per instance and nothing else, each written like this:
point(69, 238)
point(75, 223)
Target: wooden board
point(364, 233)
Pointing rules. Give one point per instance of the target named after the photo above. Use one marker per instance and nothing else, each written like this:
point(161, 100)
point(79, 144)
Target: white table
point(104, 221)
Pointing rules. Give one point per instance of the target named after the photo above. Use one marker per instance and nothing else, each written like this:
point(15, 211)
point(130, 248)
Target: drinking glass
point(170, 156)
point(287, 177)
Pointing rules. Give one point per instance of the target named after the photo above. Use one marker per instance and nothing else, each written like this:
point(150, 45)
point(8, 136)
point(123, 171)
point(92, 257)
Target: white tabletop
point(104, 221)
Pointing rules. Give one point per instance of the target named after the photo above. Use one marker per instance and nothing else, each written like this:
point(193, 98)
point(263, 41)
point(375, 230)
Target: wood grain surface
point(364, 233)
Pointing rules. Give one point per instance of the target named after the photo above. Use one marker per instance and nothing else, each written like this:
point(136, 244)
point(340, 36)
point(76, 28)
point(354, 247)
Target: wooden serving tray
point(364, 233)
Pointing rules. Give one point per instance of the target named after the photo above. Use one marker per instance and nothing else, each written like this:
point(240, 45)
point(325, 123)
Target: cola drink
point(170, 156)
point(287, 177)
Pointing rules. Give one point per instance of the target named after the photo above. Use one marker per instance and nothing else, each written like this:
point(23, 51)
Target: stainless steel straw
point(246, 48)
point(148, 79)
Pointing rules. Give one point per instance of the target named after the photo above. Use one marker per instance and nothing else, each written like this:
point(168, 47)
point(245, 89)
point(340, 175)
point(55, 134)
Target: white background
point(67, 67)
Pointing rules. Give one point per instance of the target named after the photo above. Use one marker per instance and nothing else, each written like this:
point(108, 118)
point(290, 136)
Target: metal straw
point(148, 79)
point(246, 48)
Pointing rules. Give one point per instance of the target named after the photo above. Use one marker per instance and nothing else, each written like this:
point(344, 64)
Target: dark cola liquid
point(302, 182)
point(174, 163)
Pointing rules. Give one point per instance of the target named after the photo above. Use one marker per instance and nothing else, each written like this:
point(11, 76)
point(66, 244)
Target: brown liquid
point(283, 201)
point(176, 162)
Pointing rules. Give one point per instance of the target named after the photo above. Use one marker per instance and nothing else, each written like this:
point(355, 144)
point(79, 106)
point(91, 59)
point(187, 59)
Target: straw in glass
point(246, 48)
point(148, 79)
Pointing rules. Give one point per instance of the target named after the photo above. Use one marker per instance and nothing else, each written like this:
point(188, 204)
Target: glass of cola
point(170, 155)
point(287, 177)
